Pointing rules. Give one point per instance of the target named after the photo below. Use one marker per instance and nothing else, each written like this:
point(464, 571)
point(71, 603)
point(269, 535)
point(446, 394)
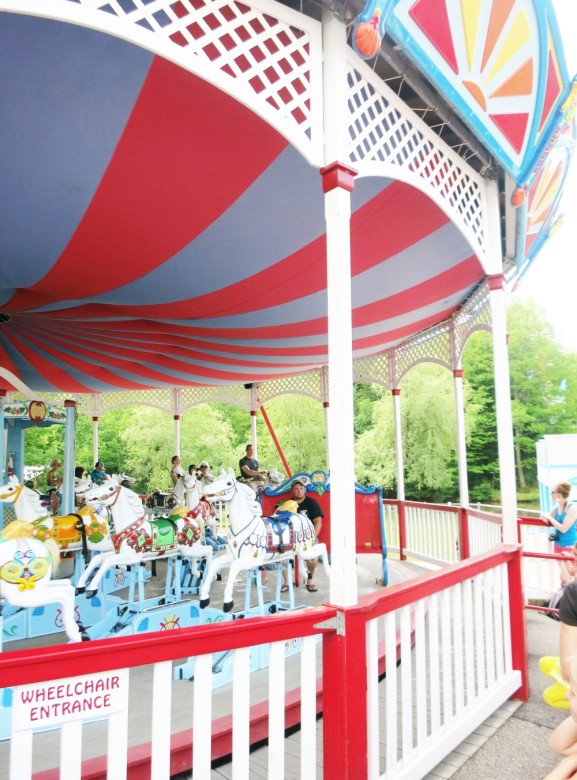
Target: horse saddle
point(66, 528)
point(163, 534)
point(276, 527)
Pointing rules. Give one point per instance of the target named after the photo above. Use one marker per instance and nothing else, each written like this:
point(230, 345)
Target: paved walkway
point(512, 744)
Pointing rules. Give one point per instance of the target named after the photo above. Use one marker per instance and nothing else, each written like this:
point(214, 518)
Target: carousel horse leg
point(215, 566)
point(119, 559)
point(318, 550)
point(96, 561)
point(62, 592)
point(238, 565)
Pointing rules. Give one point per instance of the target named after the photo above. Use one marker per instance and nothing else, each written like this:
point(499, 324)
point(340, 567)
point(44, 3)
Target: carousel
point(223, 201)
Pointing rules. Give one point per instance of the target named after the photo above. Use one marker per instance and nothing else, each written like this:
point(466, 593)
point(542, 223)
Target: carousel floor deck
point(47, 744)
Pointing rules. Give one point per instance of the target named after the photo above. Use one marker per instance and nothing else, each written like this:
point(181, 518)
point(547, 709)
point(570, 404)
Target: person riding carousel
point(249, 470)
point(54, 482)
point(204, 476)
point(176, 470)
point(98, 474)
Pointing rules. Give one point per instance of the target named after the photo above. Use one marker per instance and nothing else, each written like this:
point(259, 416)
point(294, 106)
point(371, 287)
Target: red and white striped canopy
point(154, 232)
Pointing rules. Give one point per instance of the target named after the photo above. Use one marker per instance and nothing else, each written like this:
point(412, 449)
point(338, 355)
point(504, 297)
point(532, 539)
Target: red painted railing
point(345, 653)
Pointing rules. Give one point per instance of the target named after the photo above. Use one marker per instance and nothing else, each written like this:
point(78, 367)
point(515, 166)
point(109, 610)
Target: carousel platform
point(47, 744)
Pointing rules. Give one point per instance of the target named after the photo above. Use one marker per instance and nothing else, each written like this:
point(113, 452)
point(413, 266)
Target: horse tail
point(17, 529)
point(54, 553)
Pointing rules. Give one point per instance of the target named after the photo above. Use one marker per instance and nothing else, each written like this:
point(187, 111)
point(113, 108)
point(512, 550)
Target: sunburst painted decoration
point(498, 61)
point(545, 192)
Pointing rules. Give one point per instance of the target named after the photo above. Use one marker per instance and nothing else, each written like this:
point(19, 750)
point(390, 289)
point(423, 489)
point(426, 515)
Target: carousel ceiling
point(154, 232)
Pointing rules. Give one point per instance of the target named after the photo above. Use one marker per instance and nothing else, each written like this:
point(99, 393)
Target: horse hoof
point(84, 637)
point(219, 577)
point(90, 594)
point(204, 603)
point(80, 590)
point(227, 606)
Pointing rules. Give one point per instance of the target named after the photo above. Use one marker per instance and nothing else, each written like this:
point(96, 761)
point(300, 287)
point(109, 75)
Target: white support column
point(396, 393)
point(337, 185)
point(495, 278)
point(69, 458)
point(503, 408)
point(253, 436)
point(461, 438)
point(253, 400)
point(95, 397)
point(325, 398)
point(176, 417)
point(95, 457)
point(3, 473)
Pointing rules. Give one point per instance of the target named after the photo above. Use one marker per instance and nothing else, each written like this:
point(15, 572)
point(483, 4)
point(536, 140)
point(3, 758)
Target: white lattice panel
point(431, 346)
point(160, 399)
point(266, 55)
point(473, 316)
point(374, 369)
point(308, 384)
point(235, 395)
point(383, 130)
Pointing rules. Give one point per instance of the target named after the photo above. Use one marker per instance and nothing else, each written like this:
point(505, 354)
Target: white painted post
point(461, 438)
point(396, 393)
point(69, 458)
point(325, 397)
point(503, 409)
point(495, 278)
point(3, 472)
point(176, 418)
point(95, 457)
point(337, 185)
point(253, 433)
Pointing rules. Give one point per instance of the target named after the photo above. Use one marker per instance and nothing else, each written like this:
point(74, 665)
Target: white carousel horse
point(26, 567)
point(65, 530)
point(137, 539)
point(254, 540)
point(106, 544)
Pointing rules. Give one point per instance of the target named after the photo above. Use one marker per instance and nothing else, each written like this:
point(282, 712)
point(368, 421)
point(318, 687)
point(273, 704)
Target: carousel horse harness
point(277, 524)
point(164, 534)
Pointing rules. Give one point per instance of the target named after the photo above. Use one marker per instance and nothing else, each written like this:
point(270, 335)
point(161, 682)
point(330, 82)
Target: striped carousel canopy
point(156, 232)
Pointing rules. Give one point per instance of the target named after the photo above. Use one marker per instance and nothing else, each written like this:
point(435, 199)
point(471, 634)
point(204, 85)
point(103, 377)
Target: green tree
point(543, 396)
point(364, 397)
point(429, 437)
point(299, 426)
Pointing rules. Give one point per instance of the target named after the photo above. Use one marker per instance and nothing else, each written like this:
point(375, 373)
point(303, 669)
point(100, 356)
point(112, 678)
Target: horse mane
point(37, 505)
point(17, 529)
point(251, 499)
point(133, 499)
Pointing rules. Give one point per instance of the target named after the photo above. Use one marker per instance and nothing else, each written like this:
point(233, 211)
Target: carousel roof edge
point(494, 74)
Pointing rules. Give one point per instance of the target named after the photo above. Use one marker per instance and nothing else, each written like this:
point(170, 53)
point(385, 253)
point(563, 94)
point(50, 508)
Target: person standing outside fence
point(563, 520)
